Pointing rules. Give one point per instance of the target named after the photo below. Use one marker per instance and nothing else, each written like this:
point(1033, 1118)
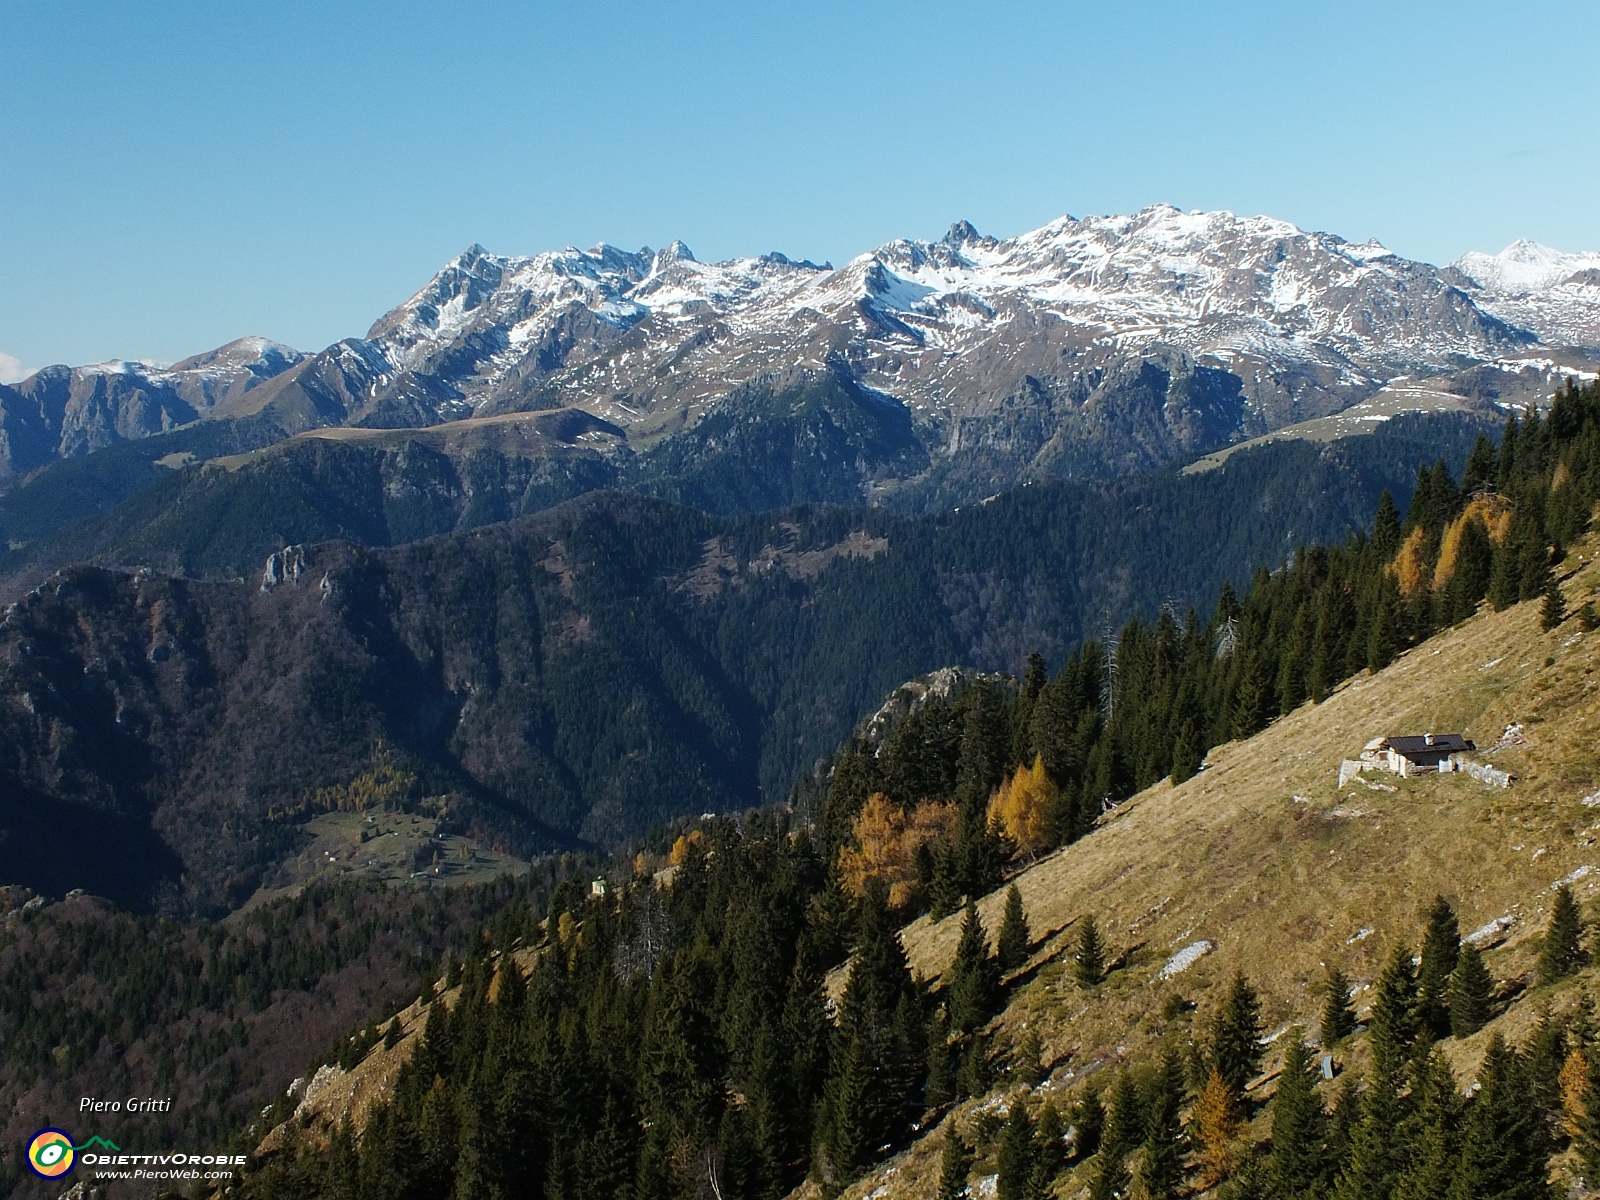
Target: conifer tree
point(476, 1167)
point(1338, 1017)
point(1482, 464)
point(1236, 1035)
point(608, 1161)
point(1253, 701)
point(1504, 476)
point(1088, 1116)
point(1250, 1179)
point(438, 1139)
point(684, 1067)
point(1386, 527)
point(1470, 988)
point(1503, 1151)
point(805, 1028)
point(1089, 963)
point(955, 1166)
point(1383, 639)
point(1342, 1122)
point(1441, 950)
point(974, 976)
point(845, 1123)
point(879, 1072)
point(1124, 1127)
point(729, 1165)
point(1434, 1146)
point(985, 744)
point(1554, 609)
point(945, 889)
point(1034, 680)
point(1014, 1162)
point(1187, 752)
point(1110, 1179)
point(940, 1088)
point(1534, 574)
point(1581, 1027)
point(1377, 1149)
point(975, 1075)
point(769, 1122)
point(1161, 1156)
point(1299, 1126)
point(1049, 1151)
point(1394, 1007)
point(344, 1165)
point(1012, 948)
point(1025, 1065)
point(1544, 1054)
point(1562, 950)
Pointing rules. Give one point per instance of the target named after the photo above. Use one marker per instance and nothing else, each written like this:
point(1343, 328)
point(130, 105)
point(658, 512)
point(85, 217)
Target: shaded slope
point(590, 671)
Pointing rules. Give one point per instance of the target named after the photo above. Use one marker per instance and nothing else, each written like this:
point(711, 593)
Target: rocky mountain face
point(1086, 348)
point(64, 412)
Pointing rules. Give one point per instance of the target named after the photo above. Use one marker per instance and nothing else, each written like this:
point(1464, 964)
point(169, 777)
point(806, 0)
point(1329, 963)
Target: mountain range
point(1085, 348)
point(470, 582)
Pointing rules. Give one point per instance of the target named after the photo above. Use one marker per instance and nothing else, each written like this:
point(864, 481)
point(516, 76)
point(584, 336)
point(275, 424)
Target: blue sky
point(179, 174)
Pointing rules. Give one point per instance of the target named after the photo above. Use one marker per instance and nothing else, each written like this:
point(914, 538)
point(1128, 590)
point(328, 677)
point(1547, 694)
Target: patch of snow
point(1361, 935)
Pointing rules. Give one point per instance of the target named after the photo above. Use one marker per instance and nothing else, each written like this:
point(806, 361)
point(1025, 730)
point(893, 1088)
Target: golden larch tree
point(1217, 1122)
point(884, 840)
point(1021, 808)
point(1573, 1081)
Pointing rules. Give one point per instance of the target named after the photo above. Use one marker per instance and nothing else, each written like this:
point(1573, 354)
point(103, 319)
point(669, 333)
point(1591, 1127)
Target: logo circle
point(50, 1154)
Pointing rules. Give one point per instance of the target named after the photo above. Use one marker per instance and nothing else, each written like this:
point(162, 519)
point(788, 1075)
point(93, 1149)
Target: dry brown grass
point(350, 1096)
point(1261, 854)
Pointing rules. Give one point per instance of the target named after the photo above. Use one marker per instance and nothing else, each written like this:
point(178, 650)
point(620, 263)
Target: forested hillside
point(212, 511)
point(674, 1040)
point(97, 1001)
point(587, 672)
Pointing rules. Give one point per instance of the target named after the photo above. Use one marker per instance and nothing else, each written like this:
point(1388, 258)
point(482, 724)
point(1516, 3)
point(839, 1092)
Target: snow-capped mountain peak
point(1524, 267)
point(1552, 293)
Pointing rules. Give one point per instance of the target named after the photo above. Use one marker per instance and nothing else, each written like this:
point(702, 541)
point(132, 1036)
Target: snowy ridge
point(1523, 267)
point(257, 357)
point(628, 331)
point(1087, 346)
point(1555, 295)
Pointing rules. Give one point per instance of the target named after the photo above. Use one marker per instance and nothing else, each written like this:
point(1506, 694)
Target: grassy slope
point(1282, 886)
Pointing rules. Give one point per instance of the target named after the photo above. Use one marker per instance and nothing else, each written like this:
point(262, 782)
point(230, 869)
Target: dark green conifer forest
point(709, 1061)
